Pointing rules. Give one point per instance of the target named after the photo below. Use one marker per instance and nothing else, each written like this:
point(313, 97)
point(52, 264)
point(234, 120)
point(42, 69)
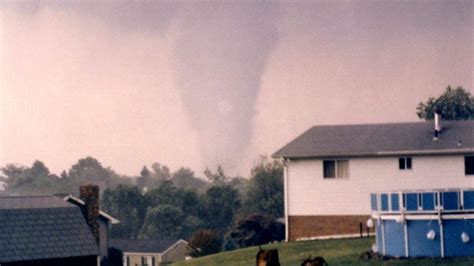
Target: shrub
point(254, 229)
point(205, 242)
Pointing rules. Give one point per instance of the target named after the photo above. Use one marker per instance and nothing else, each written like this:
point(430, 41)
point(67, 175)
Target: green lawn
point(336, 252)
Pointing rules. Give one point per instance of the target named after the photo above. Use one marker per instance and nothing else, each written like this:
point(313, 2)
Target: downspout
point(285, 192)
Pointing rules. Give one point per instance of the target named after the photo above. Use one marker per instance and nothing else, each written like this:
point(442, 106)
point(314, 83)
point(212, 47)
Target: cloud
point(221, 53)
point(200, 84)
point(73, 87)
point(348, 63)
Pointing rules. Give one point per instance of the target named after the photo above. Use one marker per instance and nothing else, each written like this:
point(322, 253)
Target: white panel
point(311, 194)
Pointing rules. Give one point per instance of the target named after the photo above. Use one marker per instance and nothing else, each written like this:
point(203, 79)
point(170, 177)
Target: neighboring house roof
point(456, 137)
point(42, 227)
point(144, 246)
point(104, 215)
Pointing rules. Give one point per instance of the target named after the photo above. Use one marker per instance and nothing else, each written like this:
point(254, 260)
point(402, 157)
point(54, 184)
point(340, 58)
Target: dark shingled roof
point(142, 245)
point(381, 140)
point(42, 227)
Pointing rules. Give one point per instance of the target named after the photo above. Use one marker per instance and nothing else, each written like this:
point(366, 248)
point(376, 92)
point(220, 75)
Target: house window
point(336, 168)
point(153, 262)
point(404, 163)
point(144, 261)
point(469, 165)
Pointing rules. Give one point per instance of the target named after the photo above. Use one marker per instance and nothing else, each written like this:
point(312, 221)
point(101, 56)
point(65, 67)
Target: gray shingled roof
point(42, 227)
point(142, 245)
point(381, 140)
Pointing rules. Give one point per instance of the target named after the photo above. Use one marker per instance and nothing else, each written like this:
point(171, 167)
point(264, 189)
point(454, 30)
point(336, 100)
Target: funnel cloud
point(221, 54)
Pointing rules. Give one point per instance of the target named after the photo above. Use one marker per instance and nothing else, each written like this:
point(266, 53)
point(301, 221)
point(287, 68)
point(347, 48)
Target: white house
point(330, 171)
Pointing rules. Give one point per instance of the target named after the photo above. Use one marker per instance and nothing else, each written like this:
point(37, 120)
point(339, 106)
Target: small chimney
point(90, 195)
point(437, 118)
point(437, 126)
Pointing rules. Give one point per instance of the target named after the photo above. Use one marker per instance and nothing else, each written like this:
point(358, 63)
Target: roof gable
point(42, 227)
point(381, 140)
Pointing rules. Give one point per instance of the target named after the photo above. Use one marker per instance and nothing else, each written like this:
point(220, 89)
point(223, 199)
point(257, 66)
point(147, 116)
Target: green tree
point(144, 180)
point(190, 202)
point(161, 172)
point(454, 104)
point(87, 170)
point(186, 201)
point(184, 178)
point(38, 169)
point(127, 204)
point(218, 177)
point(152, 179)
point(163, 221)
point(34, 179)
point(220, 204)
point(265, 192)
point(241, 184)
point(165, 194)
point(90, 170)
point(64, 174)
point(15, 175)
point(145, 172)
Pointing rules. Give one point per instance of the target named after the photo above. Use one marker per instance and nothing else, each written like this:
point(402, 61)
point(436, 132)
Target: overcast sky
point(200, 84)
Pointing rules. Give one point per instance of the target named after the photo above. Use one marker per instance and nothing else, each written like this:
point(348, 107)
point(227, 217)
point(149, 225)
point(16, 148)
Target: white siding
point(311, 194)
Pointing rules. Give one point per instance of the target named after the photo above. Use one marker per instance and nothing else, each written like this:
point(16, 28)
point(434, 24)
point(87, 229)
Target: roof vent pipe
point(437, 127)
point(437, 118)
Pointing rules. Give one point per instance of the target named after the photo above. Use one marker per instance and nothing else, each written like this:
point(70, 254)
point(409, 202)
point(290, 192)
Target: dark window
point(401, 163)
point(153, 262)
point(469, 165)
point(404, 163)
point(408, 162)
point(336, 168)
point(329, 169)
point(128, 261)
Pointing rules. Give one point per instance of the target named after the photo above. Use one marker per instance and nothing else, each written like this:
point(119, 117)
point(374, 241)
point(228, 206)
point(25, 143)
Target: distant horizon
point(200, 174)
point(216, 83)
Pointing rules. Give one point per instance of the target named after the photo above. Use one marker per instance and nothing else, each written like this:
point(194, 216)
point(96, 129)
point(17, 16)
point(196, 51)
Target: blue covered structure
point(427, 223)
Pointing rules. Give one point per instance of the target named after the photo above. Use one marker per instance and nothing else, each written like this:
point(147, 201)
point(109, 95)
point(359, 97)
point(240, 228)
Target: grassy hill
point(336, 252)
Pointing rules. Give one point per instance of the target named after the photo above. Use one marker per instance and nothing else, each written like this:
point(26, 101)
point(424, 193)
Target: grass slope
point(336, 252)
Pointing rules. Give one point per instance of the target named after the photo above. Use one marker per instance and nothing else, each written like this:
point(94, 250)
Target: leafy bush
point(252, 230)
point(205, 242)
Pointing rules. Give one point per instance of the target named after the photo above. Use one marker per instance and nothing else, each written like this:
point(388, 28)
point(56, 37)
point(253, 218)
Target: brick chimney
point(89, 193)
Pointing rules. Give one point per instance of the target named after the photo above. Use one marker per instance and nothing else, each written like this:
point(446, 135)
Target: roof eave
point(102, 213)
point(377, 154)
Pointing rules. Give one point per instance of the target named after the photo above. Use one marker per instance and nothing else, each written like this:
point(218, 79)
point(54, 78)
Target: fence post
point(360, 230)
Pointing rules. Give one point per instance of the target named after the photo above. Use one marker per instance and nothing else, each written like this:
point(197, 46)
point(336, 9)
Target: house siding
point(136, 259)
point(310, 195)
point(177, 253)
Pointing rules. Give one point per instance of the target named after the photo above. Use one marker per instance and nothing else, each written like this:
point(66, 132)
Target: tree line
point(216, 213)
